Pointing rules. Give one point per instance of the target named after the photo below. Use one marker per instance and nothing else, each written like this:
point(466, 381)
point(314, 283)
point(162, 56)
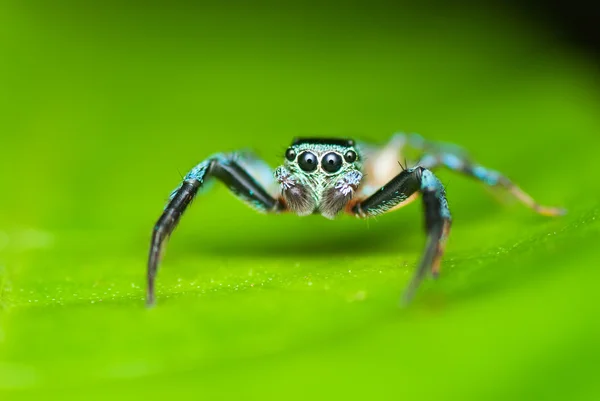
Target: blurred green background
point(104, 107)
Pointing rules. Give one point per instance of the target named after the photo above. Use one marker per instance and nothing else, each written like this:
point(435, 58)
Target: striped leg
point(231, 169)
point(437, 215)
point(454, 158)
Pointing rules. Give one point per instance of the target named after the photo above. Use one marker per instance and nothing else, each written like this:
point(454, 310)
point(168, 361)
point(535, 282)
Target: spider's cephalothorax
point(319, 175)
point(328, 176)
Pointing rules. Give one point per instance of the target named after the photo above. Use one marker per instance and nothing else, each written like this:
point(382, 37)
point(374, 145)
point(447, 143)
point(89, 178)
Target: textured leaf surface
point(108, 107)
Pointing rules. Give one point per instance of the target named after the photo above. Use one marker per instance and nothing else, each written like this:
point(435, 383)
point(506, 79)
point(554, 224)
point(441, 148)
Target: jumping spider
point(327, 176)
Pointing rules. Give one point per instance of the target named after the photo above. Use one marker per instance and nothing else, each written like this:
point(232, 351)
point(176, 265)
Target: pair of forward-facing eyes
point(330, 162)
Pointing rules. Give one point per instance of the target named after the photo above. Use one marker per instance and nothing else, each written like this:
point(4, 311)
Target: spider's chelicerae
point(329, 176)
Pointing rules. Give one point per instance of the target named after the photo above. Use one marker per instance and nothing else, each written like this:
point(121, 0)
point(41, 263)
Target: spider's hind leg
point(453, 157)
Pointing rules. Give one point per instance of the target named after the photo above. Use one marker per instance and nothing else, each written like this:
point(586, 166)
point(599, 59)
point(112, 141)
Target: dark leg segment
point(437, 215)
point(225, 169)
point(165, 225)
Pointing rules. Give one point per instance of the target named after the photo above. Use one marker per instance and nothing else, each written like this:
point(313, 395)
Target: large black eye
point(307, 161)
point(350, 156)
point(331, 162)
point(290, 154)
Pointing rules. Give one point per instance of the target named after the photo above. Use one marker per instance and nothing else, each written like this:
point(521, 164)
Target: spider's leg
point(403, 188)
point(228, 169)
point(454, 157)
point(488, 176)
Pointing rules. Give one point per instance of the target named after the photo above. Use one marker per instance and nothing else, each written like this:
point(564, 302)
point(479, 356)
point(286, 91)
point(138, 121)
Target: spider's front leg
point(234, 171)
point(401, 189)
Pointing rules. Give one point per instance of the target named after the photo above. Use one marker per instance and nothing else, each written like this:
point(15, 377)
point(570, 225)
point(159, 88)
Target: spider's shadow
point(313, 235)
point(378, 238)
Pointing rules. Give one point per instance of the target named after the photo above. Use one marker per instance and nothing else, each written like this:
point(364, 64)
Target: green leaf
point(109, 106)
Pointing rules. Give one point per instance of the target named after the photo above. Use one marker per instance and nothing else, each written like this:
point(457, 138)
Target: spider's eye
point(290, 154)
point(331, 162)
point(307, 161)
point(350, 156)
